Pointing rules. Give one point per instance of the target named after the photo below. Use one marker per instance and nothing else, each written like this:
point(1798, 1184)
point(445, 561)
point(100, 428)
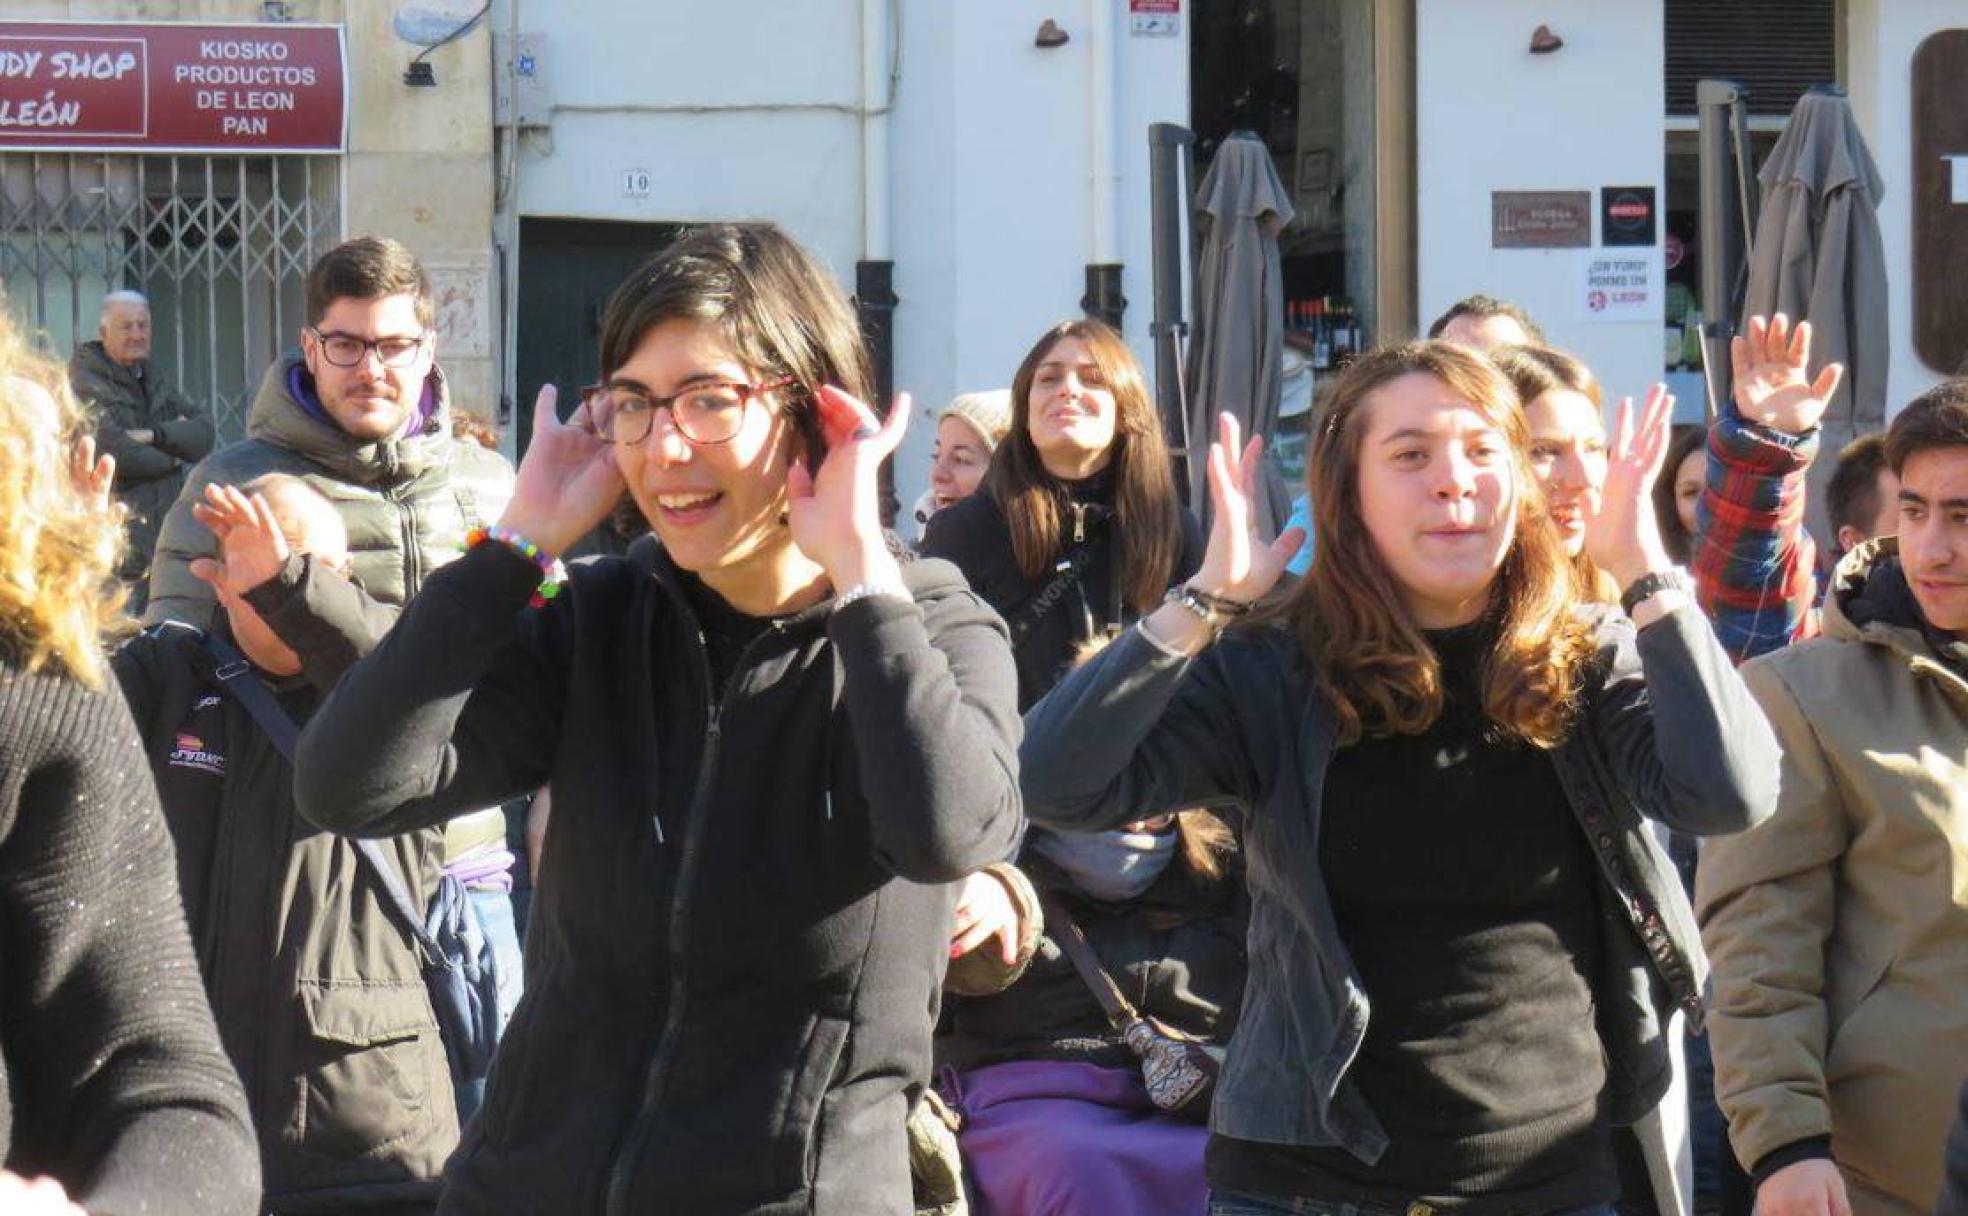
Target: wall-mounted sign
point(1940, 202)
point(1155, 18)
point(1626, 215)
point(1620, 286)
point(1540, 219)
point(129, 87)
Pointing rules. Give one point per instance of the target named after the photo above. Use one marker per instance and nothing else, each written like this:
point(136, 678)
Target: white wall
point(990, 141)
point(1492, 116)
point(1882, 37)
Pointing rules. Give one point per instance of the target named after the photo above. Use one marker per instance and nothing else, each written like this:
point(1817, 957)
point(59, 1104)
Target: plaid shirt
point(1753, 563)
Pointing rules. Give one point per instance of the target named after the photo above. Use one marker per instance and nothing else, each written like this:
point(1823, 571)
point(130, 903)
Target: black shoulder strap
point(1072, 939)
point(236, 676)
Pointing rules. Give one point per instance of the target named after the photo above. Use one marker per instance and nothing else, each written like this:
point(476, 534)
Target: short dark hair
point(368, 268)
point(776, 304)
point(1482, 306)
point(1852, 495)
point(1937, 418)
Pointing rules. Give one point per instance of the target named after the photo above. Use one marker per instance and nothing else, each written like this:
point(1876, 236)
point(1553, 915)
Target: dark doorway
point(567, 271)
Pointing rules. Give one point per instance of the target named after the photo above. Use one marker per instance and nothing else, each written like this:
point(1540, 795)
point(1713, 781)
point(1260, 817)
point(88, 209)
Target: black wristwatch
point(1674, 578)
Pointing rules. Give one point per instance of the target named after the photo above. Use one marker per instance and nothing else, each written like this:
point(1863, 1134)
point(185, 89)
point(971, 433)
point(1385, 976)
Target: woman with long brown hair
point(119, 1096)
point(1464, 944)
point(1078, 530)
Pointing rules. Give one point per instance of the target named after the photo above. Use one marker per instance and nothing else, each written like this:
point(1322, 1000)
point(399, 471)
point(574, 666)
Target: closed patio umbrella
point(1236, 351)
point(1817, 256)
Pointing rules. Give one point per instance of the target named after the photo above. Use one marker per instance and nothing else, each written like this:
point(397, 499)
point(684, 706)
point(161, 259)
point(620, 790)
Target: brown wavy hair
point(1535, 371)
point(59, 550)
point(1147, 514)
point(1348, 616)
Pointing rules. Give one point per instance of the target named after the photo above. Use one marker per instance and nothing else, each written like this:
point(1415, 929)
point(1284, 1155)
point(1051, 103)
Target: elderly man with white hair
point(152, 430)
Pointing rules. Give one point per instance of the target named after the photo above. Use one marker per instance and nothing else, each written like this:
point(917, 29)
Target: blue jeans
point(494, 912)
point(1225, 1203)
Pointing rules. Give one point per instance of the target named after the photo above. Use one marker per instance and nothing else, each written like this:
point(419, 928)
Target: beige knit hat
point(989, 412)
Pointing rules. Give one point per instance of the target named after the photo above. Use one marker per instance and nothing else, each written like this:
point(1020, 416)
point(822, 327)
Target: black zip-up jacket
point(976, 537)
point(317, 987)
point(743, 916)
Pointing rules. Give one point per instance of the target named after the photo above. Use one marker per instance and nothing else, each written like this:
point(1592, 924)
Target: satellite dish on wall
point(429, 22)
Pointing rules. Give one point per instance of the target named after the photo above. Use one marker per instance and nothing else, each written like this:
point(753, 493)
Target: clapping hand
point(1769, 367)
point(835, 513)
point(1623, 537)
point(252, 548)
point(985, 911)
point(94, 475)
point(1238, 564)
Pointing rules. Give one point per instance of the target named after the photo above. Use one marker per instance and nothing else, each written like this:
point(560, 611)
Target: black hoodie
point(742, 920)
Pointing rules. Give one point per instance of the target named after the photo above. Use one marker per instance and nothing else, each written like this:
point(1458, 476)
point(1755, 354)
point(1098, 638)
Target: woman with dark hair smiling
point(1465, 944)
point(1077, 530)
point(772, 751)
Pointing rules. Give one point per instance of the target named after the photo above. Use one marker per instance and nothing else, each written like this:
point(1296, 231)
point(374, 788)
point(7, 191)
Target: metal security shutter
point(1777, 48)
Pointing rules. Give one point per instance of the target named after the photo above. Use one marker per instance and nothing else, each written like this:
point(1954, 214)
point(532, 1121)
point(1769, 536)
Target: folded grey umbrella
point(1818, 257)
point(1236, 351)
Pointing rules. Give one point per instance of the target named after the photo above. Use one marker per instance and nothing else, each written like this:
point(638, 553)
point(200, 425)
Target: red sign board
point(128, 87)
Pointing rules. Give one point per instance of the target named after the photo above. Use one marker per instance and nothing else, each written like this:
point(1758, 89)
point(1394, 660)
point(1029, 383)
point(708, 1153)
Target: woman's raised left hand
point(1238, 563)
point(835, 513)
point(1623, 537)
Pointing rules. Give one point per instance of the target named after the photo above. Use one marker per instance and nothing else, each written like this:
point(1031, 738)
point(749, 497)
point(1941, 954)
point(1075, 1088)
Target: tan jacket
point(1838, 929)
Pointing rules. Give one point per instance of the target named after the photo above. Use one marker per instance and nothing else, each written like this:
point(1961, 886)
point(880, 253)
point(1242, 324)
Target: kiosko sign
point(123, 87)
point(1940, 202)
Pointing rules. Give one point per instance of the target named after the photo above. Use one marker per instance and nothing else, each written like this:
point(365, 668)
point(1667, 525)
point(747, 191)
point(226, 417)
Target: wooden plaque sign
point(1940, 203)
point(1540, 219)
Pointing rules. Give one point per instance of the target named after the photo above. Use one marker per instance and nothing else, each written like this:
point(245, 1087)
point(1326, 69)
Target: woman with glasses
point(772, 749)
point(1465, 943)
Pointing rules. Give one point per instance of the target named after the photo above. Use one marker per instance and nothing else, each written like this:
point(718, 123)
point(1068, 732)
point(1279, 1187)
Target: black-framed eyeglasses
point(348, 350)
point(709, 412)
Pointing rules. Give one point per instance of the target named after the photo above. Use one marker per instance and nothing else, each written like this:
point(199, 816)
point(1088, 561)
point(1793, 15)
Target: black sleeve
point(326, 618)
point(458, 709)
point(933, 697)
point(134, 461)
point(122, 1089)
point(188, 435)
point(1954, 1188)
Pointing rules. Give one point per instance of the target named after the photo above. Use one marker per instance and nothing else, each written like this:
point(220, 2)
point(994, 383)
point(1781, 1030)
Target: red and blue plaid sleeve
point(1753, 563)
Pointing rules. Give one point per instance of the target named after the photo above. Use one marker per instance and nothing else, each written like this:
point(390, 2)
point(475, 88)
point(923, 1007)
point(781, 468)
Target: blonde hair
point(1364, 649)
point(59, 550)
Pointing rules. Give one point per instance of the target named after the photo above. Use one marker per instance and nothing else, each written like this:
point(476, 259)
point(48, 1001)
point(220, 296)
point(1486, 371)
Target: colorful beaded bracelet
point(552, 573)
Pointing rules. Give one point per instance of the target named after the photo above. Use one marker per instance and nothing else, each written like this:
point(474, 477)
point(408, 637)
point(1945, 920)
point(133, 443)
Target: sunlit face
point(126, 333)
point(371, 400)
point(716, 507)
point(1568, 457)
point(1437, 496)
point(1485, 333)
point(1690, 479)
point(960, 462)
point(1071, 412)
point(1933, 529)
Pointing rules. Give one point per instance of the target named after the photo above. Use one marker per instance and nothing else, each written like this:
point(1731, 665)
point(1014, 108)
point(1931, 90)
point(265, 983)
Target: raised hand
point(1770, 368)
point(1623, 537)
point(567, 483)
point(42, 1196)
point(252, 548)
point(835, 513)
point(1238, 564)
point(95, 476)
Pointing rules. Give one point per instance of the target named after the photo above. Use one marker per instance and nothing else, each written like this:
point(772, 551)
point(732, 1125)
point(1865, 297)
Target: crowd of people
point(1535, 815)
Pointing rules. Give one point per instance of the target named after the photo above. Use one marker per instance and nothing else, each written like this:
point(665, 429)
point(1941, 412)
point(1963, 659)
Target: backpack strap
point(235, 675)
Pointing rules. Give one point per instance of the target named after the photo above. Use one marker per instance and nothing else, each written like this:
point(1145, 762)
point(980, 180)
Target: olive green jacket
point(407, 502)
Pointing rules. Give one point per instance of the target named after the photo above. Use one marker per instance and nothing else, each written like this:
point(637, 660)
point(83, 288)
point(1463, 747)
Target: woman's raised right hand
point(568, 481)
point(1239, 564)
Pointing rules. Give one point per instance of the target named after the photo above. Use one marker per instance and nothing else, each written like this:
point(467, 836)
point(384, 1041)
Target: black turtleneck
point(974, 535)
point(1468, 897)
